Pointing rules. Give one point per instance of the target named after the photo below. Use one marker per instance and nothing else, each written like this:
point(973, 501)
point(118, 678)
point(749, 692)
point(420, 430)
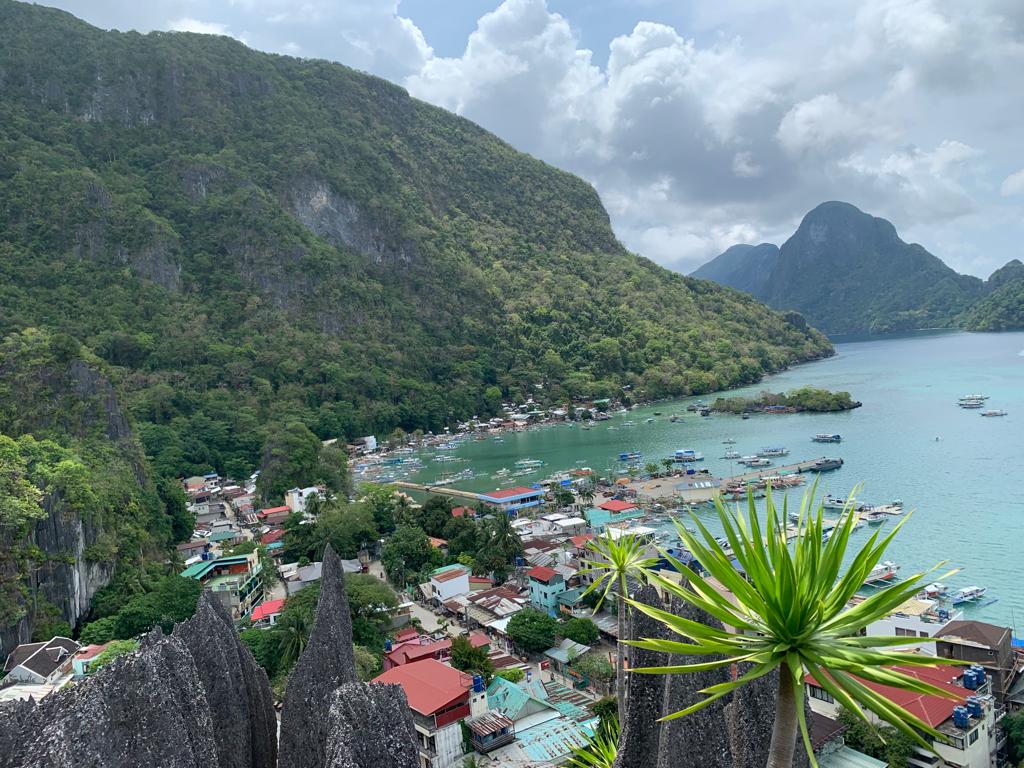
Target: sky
point(702, 123)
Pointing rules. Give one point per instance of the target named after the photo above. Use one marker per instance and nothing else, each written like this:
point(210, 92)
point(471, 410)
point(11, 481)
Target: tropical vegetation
point(810, 399)
point(789, 615)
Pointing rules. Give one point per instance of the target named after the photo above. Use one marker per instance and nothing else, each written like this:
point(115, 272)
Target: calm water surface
point(966, 487)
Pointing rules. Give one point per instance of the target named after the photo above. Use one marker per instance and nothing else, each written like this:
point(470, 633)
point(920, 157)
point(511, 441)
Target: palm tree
point(790, 615)
point(501, 536)
point(292, 632)
point(619, 561)
point(586, 494)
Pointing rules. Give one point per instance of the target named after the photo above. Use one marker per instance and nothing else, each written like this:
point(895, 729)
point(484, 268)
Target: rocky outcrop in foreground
point(370, 726)
point(732, 732)
point(327, 663)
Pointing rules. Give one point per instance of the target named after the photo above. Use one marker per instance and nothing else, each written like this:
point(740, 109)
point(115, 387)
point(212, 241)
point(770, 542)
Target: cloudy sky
point(702, 123)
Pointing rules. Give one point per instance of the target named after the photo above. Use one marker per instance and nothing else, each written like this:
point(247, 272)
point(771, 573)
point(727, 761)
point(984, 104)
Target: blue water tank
point(387, 646)
point(970, 680)
point(478, 684)
point(961, 717)
point(979, 672)
point(974, 706)
point(529, 675)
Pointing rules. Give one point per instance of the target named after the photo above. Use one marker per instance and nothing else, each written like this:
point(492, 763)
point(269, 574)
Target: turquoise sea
point(965, 487)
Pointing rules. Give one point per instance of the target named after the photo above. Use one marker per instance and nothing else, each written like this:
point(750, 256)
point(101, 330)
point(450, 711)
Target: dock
point(697, 489)
point(438, 490)
point(759, 474)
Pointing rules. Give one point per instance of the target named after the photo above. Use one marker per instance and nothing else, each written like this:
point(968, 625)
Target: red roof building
point(437, 543)
point(508, 493)
point(581, 541)
point(463, 512)
point(542, 573)
point(274, 534)
point(417, 648)
point(267, 613)
point(615, 505)
point(433, 689)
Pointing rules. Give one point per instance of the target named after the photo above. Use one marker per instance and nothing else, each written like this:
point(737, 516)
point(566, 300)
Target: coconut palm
point(618, 561)
point(791, 615)
point(292, 633)
point(586, 494)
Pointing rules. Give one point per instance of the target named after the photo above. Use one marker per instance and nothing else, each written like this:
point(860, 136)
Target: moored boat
point(823, 437)
point(993, 413)
point(885, 571)
point(768, 453)
point(732, 455)
point(968, 595)
point(629, 455)
point(825, 464)
point(686, 455)
point(935, 590)
point(834, 502)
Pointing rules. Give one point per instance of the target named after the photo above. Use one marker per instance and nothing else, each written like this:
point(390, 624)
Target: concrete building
point(266, 614)
point(968, 719)
point(295, 498)
point(546, 584)
point(511, 500)
point(914, 619)
point(449, 581)
point(979, 643)
point(440, 698)
point(235, 581)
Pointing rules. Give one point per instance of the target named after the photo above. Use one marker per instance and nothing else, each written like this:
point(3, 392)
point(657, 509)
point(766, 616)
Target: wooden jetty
point(439, 490)
point(763, 472)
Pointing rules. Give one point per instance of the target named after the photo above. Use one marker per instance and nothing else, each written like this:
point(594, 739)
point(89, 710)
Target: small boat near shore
point(771, 453)
point(968, 595)
point(755, 461)
point(825, 464)
point(687, 455)
point(881, 573)
point(732, 455)
point(935, 591)
point(993, 413)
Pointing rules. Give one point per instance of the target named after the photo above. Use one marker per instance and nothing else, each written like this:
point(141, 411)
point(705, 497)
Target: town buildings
point(41, 663)
point(235, 580)
point(512, 500)
point(546, 584)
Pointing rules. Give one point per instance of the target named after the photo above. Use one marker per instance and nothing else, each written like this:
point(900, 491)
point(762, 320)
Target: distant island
point(810, 399)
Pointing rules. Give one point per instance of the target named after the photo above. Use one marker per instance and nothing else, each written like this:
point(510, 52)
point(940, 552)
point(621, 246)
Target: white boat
point(649, 420)
point(881, 573)
point(993, 413)
point(524, 472)
point(974, 397)
point(968, 595)
point(935, 590)
point(824, 437)
point(768, 453)
point(835, 502)
point(756, 461)
point(530, 463)
point(729, 441)
point(687, 455)
point(732, 455)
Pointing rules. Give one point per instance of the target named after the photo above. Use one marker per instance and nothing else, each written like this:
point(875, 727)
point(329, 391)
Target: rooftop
point(511, 493)
point(581, 540)
point(273, 511)
point(542, 573)
point(974, 633)
point(42, 658)
point(847, 757)
point(449, 572)
point(267, 609)
point(617, 505)
point(429, 685)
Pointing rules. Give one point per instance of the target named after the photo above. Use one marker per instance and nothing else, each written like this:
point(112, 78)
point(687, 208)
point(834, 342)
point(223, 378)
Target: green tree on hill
point(532, 630)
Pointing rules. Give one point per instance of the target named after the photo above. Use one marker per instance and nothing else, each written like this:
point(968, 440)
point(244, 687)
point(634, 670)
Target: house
point(266, 614)
point(979, 643)
point(84, 659)
point(440, 698)
point(449, 581)
point(271, 536)
point(234, 580)
point(599, 517)
point(302, 576)
point(226, 538)
point(546, 584)
point(41, 663)
point(436, 543)
point(547, 723)
point(563, 654)
point(570, 526)
point(193, 547)
point(916, 618)
point(967, 719)
point(273, 516)
point(511, 500)
point(419, 647)
point(463, 512)
point(295, 498)
point(492, 605)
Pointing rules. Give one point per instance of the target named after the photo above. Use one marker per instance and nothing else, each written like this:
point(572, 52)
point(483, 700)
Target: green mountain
point(847, 271)
point(1003, 308)
point(743, 267)
point(249, 239)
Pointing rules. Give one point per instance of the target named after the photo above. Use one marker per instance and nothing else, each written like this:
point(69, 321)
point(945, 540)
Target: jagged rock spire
point(237, 689)
point(370, 726)
point(638, 742)
point(327, 662)
point(146, 709)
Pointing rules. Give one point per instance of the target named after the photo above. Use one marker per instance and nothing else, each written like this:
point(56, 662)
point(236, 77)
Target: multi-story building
point(234, 580)
point(440, 698)
point(546, 584)
point(449, 581)
point(511, 500)
point(968, 719)
point(979, 643)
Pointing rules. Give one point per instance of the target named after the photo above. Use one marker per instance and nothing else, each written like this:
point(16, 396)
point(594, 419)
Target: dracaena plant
point(790, 613)
point(617, 561)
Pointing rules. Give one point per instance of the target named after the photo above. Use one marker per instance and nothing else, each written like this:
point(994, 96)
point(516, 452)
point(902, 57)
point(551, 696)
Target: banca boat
point(770, 453)
point(885, 571)
point(968, 595)
point(824, 437)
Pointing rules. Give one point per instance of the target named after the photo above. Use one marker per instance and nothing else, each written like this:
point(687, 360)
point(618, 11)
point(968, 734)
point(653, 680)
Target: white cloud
point(1013, 184)
point(823, 123)
point(186, 24)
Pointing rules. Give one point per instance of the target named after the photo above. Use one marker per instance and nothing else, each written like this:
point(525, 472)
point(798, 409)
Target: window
point(973, 737)
point(901, 632)
point(820, 693)
point(956, 742)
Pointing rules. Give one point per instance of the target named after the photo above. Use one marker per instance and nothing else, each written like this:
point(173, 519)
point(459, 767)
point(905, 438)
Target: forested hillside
point(1003, 308)
point(249, 239)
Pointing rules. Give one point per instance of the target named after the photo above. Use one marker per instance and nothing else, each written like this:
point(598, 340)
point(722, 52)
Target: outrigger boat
point(769, 453)
point(935, 591)
point(882, 572)
point(968, 595)
point(732, 455)
point(827, 438)
point(993, 413)
point(685, 455)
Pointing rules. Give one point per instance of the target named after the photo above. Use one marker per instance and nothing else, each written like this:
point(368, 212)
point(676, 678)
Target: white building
point(916, 618)
point(448, 582)
point(296, 498)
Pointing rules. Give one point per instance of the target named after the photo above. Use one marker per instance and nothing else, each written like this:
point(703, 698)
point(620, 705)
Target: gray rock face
point(326, 664)
point(192, 700)
point(733, 732)
point(370, 726)
point(142, 711)
point(237, 689)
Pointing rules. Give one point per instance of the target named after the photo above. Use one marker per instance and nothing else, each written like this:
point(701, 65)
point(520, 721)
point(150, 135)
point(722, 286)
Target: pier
point(763, 472)
point(699, 488)
point(438, 490)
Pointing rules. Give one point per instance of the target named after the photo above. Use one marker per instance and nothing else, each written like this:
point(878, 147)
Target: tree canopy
point(532, 630)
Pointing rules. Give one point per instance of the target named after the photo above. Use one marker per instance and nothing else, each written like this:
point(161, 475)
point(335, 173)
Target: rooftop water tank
point(970, 680)
point(387, 646)
point(974, 706)
point(961, 717)
point(979, 672)
point(478, 684)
